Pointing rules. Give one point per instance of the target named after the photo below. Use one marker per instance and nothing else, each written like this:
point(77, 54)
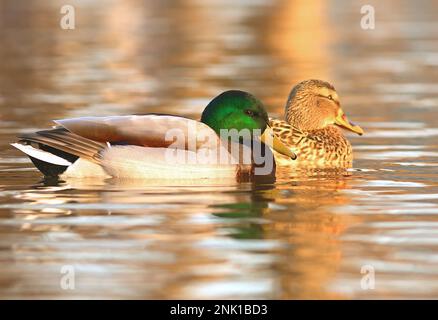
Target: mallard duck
point(157, 146)
point(312, 127)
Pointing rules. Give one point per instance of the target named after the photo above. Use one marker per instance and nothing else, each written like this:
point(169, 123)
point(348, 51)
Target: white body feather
point(160, 163)
point(85, 169)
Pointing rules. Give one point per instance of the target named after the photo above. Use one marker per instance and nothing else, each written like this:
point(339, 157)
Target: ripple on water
point(405, 133)
point(391, 184)
point(417, 164)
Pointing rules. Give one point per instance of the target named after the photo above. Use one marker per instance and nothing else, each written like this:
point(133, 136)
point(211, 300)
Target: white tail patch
point(41, 155)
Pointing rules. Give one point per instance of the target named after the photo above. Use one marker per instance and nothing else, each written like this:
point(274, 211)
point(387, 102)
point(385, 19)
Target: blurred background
point(302, 237)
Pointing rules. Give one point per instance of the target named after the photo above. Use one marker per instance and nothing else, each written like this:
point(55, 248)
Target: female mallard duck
point(156, 146)
point(313, 118)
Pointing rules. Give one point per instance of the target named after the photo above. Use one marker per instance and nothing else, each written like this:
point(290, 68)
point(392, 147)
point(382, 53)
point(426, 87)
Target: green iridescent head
point(235, 109)
point(240, 110)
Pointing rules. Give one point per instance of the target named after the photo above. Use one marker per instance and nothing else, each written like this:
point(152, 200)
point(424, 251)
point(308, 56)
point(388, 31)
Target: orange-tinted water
point(302, 237)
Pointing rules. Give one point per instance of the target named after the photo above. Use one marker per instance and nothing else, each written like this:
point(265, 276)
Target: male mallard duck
point(313, 118)
point(156, 146)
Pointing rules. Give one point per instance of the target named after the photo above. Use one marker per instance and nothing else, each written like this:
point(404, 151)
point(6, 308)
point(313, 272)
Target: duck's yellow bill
point(270, 139)
point(342, 121)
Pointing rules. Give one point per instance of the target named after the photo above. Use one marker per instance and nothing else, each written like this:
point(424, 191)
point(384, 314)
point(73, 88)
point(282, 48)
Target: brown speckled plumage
point(312, 128)
point(324, 148)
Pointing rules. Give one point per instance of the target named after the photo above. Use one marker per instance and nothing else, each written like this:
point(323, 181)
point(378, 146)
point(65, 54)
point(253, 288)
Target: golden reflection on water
point(305, 236)
point(288, 37)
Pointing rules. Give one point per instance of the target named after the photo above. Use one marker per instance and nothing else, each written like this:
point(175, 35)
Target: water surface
point(301, 237)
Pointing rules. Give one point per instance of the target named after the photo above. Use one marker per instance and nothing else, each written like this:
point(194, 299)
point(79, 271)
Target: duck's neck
point(253, 157)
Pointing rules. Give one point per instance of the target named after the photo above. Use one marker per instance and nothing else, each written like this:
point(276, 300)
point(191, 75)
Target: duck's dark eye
point(330, 97)
point(250, 113)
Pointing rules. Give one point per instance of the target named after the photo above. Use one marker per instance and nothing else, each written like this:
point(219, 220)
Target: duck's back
point(323, 148)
